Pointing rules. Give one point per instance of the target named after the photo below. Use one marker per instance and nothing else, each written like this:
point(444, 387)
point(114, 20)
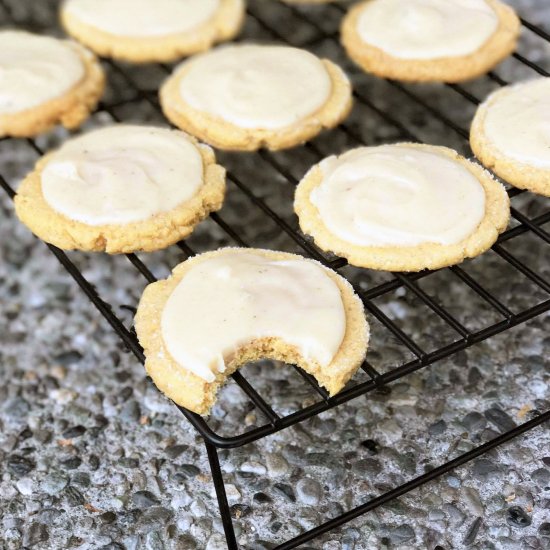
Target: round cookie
point(510, 135)
point(45, 81)
point(430, 40)
point(247, 305)
point(142, 31)
point(246, 96)
point(402, 207)
point(121, 189)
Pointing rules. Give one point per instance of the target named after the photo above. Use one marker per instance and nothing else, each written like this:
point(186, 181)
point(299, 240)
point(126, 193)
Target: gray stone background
point(92, 456)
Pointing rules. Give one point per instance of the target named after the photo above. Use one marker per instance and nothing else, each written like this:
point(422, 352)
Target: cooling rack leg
point(217, 477)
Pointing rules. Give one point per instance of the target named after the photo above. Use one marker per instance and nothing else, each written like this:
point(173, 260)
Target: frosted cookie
point(430, 40)
point(223, 309)
point(120, 189)
point(45, 81)
point(511, 134)
point(142, 31)
point(247, 96)
point(402, 207)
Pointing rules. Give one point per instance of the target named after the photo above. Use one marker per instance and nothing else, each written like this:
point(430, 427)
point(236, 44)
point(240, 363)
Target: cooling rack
point(316, 28)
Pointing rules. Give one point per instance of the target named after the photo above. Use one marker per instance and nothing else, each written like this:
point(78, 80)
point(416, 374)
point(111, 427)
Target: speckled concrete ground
point(92, 456)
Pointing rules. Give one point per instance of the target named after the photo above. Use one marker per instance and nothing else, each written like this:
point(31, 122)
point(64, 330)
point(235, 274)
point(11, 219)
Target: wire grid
point(507, 315)
point(420, 357)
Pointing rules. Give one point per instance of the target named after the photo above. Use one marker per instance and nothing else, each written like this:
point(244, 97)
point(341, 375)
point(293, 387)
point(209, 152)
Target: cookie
point(510, 136)
point(243, 97)
point(121, 189)
point(430, 40)
point(45, 81)
point(402, 207)
point(142, 31)
point(222, 309)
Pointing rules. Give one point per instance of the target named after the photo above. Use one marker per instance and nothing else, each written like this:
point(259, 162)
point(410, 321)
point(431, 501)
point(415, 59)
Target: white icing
point(398, 196)
point(517, 122)
point(230, 300)
point(253, 86)
point(143, 18)
point(427, 29)
point(35, 69)
point(122, 174)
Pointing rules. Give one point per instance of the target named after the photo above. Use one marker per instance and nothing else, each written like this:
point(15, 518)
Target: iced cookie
point(403, 207)
point(120, 189)
point(142, 31)
point(223, 309)
point(511, 134)
point(45, 81)
point(247, 96)
point(430, 40)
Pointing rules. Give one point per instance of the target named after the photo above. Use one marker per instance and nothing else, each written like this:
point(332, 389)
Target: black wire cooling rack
point(316, 28)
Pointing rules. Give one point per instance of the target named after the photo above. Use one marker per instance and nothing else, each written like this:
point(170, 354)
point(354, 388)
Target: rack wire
point(507, 315)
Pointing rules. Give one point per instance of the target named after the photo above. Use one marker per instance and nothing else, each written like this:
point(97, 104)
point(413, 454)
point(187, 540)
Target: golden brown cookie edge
point(155, 233)
point(225, 25)
point(70, 109)
point(224, 135)
point(414, 258)
point(448, 69)
point(190, 391)
point(516, 173)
